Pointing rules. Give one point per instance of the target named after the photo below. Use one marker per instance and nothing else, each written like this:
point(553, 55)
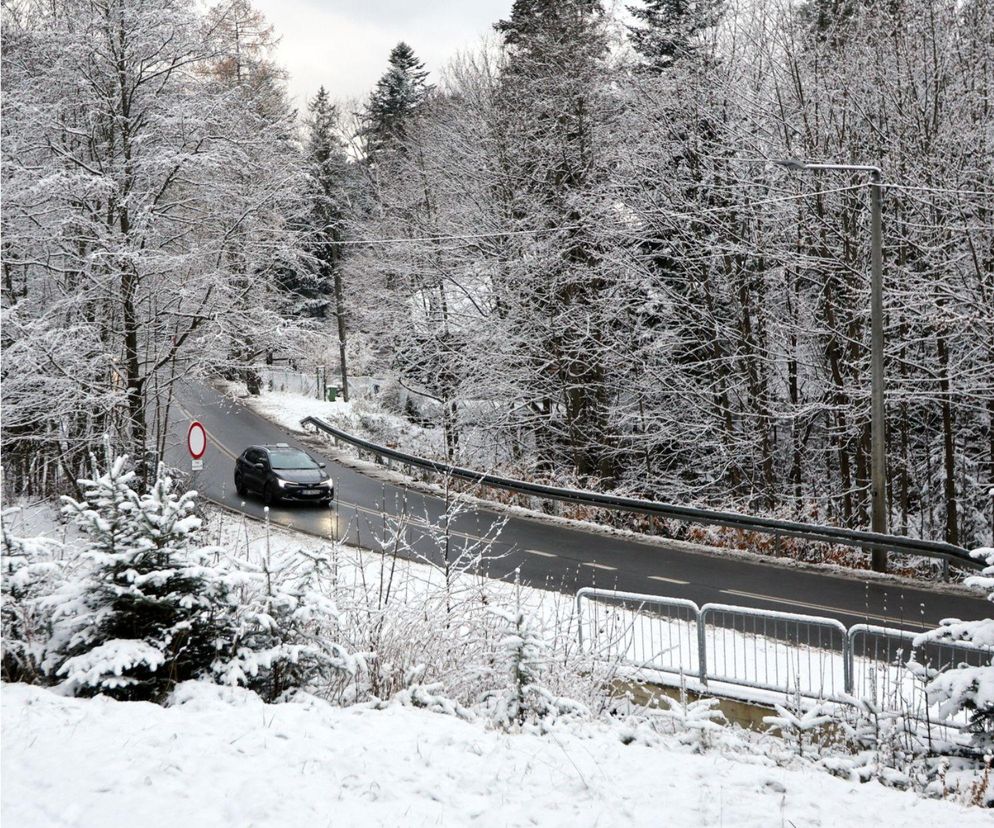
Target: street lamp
point(878, 458)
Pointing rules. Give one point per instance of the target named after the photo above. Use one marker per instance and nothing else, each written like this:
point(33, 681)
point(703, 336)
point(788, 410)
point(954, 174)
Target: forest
point(575, 239)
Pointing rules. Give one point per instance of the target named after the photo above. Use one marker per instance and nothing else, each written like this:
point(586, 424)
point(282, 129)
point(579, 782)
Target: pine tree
point(555, 110)
point(398, 95)
point(32, 569)
point(526, 657)
point(151, 612)
point(531, 19)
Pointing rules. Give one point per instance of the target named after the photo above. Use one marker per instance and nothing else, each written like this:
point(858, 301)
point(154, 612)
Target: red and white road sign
point(196, 440)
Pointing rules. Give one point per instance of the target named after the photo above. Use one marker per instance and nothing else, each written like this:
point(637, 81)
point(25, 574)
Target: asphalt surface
point(372, 513)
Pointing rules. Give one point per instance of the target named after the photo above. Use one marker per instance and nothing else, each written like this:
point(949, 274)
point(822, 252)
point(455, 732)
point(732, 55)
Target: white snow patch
point(221, 757)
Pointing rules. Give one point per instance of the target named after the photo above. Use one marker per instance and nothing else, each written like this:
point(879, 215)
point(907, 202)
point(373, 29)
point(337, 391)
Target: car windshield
point(291, 459)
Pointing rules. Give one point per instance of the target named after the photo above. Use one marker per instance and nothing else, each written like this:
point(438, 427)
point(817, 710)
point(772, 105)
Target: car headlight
point(281, 482)
point(328, 482)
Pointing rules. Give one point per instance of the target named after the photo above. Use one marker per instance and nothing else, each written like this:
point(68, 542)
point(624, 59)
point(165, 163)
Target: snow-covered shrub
point(799, 725)
point(151, 609)
point(31, 571)
point(695, 722)
point(432, 697)
point(525, 659)
point(969, 689)
point(286, 628)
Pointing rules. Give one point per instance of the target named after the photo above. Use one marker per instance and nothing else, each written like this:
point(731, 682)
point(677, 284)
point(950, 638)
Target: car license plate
point(312, 491)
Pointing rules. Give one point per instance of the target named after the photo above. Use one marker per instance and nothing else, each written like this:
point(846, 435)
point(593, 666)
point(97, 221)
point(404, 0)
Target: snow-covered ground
point(220, 757)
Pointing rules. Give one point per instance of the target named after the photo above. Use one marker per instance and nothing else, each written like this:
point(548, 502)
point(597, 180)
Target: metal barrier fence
point(818, 658)
point(772, 650)
point(705, 517)
point(289, 381)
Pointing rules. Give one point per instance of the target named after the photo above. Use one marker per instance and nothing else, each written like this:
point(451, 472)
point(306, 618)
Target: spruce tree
point(532, 20)
point(151, 612)
point(555, 109)
point(397, 96)
point(329, 189)
point(670, 30)
point(285, 630)
point(525, 655)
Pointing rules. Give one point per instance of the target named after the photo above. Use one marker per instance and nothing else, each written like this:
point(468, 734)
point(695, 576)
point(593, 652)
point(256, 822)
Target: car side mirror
point(323, 465)
point(259, 465)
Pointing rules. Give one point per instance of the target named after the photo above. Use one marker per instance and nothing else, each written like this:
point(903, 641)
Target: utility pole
point(878, 437)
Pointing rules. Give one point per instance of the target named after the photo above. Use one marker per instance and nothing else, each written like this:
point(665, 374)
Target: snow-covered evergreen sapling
point(286, 627)
point(151, 611)
point(797, 722)
point(969, 689)
point(30, 572)
point(696, 720)
point(429, 696)
point(524, 698)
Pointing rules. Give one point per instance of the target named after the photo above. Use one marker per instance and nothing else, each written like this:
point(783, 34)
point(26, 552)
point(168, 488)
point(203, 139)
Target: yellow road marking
point(824, 607)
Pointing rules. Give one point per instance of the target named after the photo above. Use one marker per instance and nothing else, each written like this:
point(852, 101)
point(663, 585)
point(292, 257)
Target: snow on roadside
point(288, 410)
point(221, 757)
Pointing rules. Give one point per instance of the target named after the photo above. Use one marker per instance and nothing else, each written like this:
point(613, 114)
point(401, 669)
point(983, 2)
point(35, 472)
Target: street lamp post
point(878, 439)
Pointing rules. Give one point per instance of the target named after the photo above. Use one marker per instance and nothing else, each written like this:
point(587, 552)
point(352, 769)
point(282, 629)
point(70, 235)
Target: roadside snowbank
point(221, 757)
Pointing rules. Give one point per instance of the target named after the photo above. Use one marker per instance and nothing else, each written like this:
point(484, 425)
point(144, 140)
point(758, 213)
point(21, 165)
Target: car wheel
point(240, 486)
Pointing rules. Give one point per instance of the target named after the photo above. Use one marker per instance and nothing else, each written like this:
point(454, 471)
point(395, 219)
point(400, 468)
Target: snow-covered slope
point(220, 757)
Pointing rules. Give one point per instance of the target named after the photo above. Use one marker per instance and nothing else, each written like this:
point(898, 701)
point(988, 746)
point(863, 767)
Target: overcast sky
point(344, 44)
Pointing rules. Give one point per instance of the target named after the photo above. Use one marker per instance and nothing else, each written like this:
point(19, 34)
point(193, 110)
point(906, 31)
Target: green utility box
point(331, 393)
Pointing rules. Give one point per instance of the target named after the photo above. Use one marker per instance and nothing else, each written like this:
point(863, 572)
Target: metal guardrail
point(817, 657)
point(706, 517)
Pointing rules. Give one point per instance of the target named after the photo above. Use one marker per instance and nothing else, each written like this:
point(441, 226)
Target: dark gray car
point(281, 473)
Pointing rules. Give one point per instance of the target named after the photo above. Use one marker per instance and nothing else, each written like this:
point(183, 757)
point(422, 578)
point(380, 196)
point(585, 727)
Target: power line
point(894, 186)
point(702, 214)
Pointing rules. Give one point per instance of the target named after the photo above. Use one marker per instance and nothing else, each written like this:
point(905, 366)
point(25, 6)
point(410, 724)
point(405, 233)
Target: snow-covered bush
point(151, 608)
point(287, 623)
point(695, 721)
point(31, 571)
point(969, 689)
point(525, 659)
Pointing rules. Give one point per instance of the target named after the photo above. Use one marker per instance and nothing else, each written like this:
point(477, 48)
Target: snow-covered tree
point(286, 630)
point(32, 570)
point(151, 610)
point(398, 95)
point(667, 31)
point(147, 193)
point(969, 689)
point(335, 197)
point(525, 660)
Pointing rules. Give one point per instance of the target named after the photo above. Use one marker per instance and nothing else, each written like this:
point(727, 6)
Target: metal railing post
point(848, 671)
point(702, 649)
point(579, 619)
